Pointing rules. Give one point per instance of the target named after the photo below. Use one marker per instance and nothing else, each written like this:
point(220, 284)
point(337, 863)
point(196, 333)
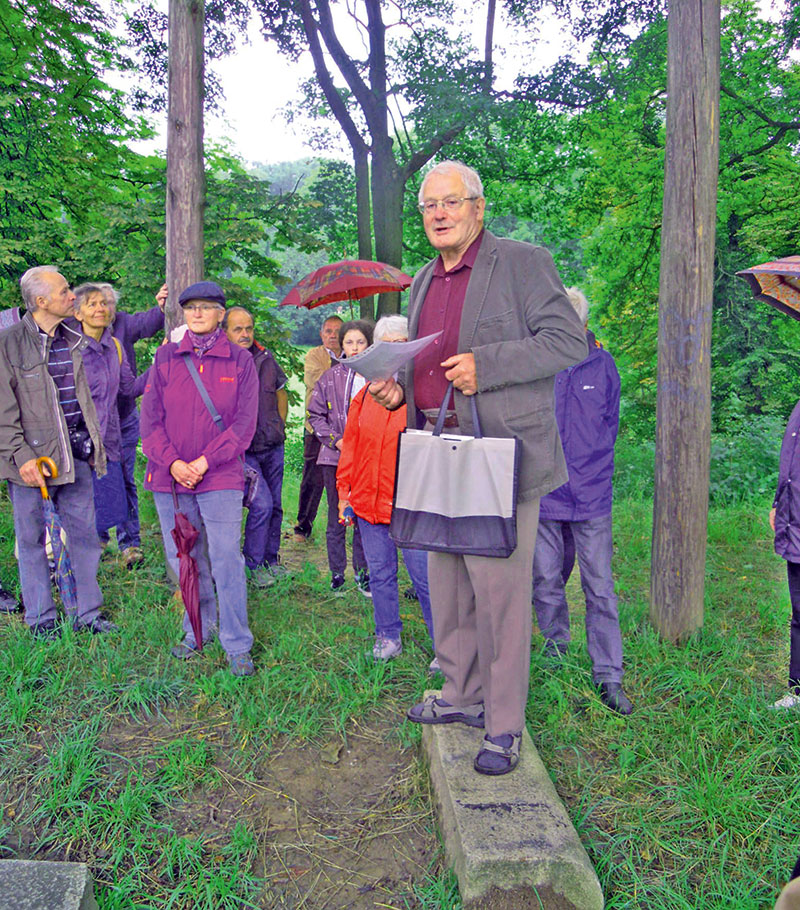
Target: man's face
point(59, 299)
point(451, 233)
point(240, 329)
point(329, 333)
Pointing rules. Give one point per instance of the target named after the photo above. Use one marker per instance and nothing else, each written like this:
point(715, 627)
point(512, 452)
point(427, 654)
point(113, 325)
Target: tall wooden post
point(680, 510)
point(185, 174)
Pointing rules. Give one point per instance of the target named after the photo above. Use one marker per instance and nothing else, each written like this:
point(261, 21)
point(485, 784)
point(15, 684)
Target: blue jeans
point(593, 545)
point(262, 531)
point(74, 504)
point(218, 517)
point(381, 554)
point(128, 532)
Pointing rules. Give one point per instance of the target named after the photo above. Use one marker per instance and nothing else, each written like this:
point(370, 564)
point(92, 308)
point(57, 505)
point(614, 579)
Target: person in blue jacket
point(784, 522)
point(587, 413)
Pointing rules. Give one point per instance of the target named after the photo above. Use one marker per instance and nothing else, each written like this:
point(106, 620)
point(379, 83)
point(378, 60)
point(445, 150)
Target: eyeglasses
point(201, 307)
point(451, 204)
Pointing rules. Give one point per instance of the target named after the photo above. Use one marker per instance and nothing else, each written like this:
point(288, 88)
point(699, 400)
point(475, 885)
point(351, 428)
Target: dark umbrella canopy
point(776, 283)
point(185, 535)
point(350, 279)
point(65, 578)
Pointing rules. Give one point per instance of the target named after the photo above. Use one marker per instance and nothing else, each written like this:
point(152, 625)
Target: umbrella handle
point(45, 461)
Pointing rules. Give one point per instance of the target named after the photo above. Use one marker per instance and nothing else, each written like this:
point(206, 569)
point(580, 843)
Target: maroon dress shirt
point(441, 311)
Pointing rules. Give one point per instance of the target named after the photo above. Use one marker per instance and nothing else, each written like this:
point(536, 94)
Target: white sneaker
point(790, 700)
point(386, 648)
point(433, 666)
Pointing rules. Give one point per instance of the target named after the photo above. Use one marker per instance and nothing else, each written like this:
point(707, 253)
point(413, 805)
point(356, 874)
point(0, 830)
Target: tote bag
point(456, 494)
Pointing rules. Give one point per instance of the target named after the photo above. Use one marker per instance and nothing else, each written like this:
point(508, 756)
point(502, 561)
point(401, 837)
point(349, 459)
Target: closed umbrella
point(350, 279)
point(185, 535)
point(63, 566)
point(776, 283)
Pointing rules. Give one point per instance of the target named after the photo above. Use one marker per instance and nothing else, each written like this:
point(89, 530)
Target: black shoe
point(337, 582)
point(8, 603)
point(612, 696)
point(410, 593)
point(46, 631)
point(362, 583)
point(555, 652)
point(98, 626)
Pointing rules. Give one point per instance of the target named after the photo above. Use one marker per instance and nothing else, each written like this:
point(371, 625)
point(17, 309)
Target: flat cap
point(203, 290)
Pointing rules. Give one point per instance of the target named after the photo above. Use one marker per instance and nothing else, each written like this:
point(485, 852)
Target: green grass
point(689, 803)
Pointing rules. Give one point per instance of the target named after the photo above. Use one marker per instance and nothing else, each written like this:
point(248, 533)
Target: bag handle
point(437, 430)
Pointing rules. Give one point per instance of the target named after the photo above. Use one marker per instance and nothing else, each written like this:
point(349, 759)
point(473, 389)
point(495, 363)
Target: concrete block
point(509, 838)
point(34, 885)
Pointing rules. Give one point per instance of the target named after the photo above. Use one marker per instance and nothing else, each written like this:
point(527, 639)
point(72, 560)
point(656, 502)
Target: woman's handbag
point(456, 494)
point(250, 474)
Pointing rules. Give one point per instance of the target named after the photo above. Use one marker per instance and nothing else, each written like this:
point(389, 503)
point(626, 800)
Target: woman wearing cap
point(202, 464)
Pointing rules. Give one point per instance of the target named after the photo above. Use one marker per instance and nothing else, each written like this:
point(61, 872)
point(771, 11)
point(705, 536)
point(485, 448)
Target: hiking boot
point(132, 557)
point(241, 664)
point(278, 571)
point(411, 593)
point(337, 582)
point(362, 583)
point(386, 648)
point(8, 603)
point(555, 652)
point(260, 577)
point(433, 667)
point(100, 625)
point(46, 631)
point(612, 696)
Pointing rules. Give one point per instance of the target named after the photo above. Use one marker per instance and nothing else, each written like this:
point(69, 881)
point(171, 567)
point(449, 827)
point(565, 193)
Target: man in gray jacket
point(46, 409)
point(508, 328)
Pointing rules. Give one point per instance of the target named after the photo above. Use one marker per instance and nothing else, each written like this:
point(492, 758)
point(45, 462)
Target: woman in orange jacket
point(365, 483)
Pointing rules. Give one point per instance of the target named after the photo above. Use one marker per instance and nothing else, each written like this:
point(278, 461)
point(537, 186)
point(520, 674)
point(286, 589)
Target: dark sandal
point(437, 711)
point(498, 754)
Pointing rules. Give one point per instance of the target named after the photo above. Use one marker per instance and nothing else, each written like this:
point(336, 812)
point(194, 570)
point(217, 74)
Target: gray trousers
point(593, 545)
point(482, 616)
point(218, 517)
point(74, 504)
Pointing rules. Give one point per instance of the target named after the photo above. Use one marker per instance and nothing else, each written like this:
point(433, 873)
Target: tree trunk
point(185, 175)
point(363, 221)
point(680, 509)
point(388, 184)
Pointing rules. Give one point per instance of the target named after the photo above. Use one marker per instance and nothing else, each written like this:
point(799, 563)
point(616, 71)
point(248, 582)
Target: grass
point(112, 753)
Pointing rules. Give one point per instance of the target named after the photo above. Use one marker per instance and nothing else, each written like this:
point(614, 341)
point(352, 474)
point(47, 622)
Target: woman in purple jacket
point(785, 522)
point(327, 414)
point(194, 465)
point(109, 374)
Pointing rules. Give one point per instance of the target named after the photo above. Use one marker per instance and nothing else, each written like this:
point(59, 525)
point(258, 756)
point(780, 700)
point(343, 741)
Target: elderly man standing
point(46, 409)
point(262, 530)
point(317, 360)
point(508, 328)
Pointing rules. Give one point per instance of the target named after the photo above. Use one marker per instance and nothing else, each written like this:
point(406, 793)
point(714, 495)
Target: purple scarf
point(201, 343)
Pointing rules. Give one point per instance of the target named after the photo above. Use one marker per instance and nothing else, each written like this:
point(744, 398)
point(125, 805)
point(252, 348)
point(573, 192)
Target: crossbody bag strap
point(187, 359)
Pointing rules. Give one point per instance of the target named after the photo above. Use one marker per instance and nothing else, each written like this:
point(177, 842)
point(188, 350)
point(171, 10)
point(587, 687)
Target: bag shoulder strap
point(119, 349)
point(187, 359)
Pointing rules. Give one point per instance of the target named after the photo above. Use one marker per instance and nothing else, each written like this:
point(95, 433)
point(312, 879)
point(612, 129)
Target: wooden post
point(683, 432)
point(185, 174)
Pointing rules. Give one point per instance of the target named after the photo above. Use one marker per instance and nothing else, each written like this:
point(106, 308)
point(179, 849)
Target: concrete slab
point(509, 838)
point(33, 885)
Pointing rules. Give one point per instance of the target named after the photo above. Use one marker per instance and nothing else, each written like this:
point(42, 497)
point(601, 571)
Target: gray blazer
point(518, 322)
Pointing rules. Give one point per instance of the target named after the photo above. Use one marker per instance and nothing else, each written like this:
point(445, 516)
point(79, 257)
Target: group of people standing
point(214, 401)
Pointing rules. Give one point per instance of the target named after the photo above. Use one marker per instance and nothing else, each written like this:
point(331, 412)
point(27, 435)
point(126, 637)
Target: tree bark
point(185, 173)
point(683, 431)
point(388, 184)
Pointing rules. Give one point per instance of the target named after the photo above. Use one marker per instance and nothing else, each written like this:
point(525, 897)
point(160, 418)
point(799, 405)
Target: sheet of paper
point(384, 358)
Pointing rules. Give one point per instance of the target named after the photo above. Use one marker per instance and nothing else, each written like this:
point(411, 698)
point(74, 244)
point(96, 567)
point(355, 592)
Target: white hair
point(390, 325)
point(105, 286)
point(579, 303)
point(82, 293)
point(33, 284)
point(472, 182)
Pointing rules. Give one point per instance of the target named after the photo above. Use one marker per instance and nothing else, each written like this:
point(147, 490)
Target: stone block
point(41, 885)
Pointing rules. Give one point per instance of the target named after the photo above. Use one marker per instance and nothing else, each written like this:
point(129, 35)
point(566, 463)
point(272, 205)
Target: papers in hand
point(384, 358)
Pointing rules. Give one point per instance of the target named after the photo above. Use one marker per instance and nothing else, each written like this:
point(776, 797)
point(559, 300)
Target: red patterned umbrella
point(777, 283)
point(350, 279)
point(185, 535)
